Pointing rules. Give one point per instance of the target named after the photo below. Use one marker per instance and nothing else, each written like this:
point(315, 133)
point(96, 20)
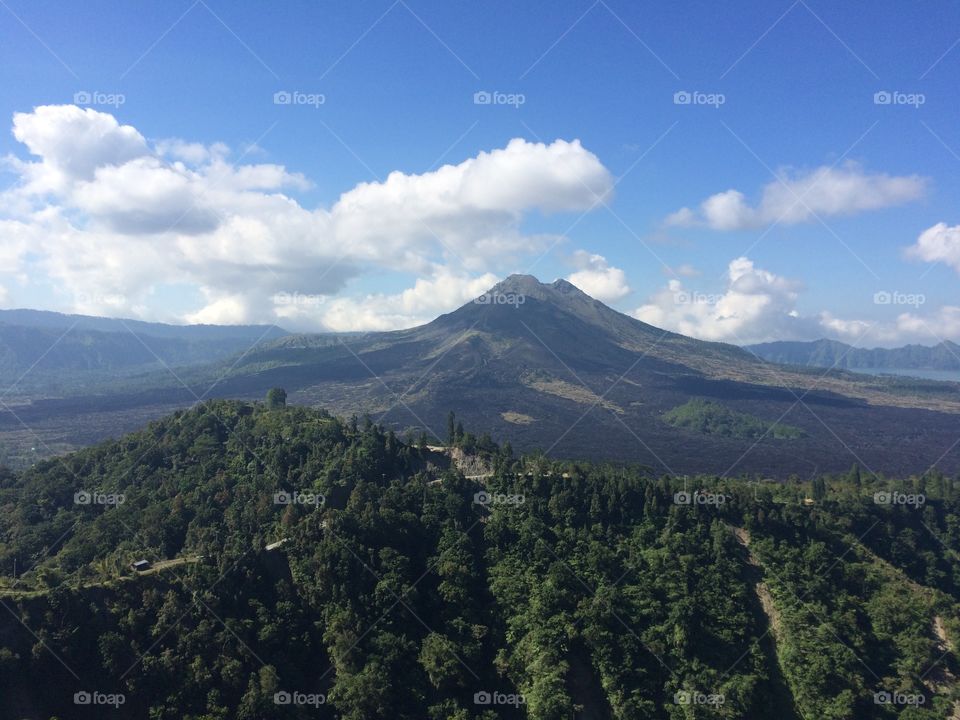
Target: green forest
point(714, 418)
point(305, 566)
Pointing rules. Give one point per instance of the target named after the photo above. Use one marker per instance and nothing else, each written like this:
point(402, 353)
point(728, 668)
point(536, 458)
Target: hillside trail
point(772, 638)
point(940, 678)
point(156, 568)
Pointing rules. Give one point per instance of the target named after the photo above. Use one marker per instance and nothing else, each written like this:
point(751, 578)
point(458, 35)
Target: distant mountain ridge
point(832, 353)
point(53, 351)
point(47, 319)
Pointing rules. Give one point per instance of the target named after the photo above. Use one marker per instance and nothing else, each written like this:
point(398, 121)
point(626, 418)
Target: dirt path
point(940, 679)
point(773, 637)
point(155, 568)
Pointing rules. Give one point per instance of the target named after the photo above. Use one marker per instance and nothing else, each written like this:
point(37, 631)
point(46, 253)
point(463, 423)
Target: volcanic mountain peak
point(530, 286)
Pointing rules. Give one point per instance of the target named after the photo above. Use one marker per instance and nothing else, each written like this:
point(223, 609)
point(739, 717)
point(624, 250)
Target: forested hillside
point(309, 567)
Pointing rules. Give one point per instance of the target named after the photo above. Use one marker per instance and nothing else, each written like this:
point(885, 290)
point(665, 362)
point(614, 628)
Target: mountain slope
point(546, 366)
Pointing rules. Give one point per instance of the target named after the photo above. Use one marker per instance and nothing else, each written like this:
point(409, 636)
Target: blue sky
point(797, 82)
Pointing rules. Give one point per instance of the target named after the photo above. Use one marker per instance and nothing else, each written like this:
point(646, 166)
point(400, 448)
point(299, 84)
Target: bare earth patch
point(517, 418)
point(577, 393)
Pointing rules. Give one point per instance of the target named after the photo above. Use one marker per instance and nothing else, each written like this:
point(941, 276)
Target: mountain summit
point(544, 365)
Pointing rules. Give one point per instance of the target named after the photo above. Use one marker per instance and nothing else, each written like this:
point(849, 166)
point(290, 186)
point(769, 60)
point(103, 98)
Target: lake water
point(950, 375)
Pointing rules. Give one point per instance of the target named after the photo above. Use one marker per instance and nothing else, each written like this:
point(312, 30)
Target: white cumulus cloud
point(101, 213)
point(417, 305)
point(597, 278)
point(940, 243)
point(799, 196)
point(755, 306)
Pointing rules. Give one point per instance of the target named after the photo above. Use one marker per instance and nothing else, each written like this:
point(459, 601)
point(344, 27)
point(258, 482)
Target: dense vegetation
point(395, 587)
point(714, 418)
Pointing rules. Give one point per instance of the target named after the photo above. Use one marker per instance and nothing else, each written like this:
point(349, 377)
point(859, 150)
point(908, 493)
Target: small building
point(809, 501)
point(140, 565)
